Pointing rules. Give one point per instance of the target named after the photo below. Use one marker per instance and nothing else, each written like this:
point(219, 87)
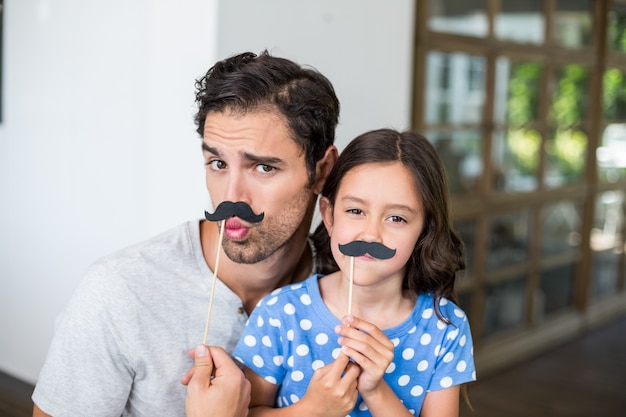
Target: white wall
point(363, 46)
point(97, 145)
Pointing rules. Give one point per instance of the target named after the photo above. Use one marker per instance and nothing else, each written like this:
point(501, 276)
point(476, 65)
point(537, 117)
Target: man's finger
point(224, 363)
point(185, 380)
point(203, 365)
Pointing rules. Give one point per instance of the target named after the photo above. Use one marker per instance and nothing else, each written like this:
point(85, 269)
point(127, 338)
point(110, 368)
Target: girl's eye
point(354, 211)
point(265, 168)
point(397, 219)
point(216, 164)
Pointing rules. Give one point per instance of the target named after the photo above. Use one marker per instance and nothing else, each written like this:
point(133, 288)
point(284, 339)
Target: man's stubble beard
point(271, 235)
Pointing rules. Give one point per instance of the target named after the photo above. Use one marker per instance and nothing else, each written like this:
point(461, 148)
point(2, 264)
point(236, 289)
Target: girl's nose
point(371, 231)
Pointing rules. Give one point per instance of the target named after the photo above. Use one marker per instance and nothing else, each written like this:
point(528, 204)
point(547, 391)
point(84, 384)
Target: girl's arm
point(442, 403)
point(331, 393)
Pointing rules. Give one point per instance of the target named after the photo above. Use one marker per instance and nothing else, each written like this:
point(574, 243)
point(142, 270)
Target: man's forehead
point(252, 134)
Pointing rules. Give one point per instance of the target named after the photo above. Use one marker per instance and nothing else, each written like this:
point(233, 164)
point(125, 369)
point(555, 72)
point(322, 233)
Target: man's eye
point(216, 164)
point(265, 168)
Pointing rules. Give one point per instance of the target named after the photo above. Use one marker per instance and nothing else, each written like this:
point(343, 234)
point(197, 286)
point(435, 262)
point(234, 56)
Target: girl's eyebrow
point(353, 199)
point(402, 207)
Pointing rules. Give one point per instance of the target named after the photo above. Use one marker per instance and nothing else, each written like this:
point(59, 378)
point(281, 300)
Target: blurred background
point(524, 100)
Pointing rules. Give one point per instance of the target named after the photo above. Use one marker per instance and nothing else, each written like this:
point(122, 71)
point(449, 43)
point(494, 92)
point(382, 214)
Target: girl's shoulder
point(429, 307)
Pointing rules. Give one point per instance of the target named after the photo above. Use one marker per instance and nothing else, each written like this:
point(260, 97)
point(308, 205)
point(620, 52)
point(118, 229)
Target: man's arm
point(92, 326)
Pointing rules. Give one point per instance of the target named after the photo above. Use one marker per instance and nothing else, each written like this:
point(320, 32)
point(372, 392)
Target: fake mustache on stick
point(360, 247)
point(227, 209)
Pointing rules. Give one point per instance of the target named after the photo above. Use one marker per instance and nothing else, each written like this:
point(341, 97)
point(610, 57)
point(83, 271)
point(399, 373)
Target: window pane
point(467, 17)
point(448, 77)
point(518, 85)
point(604, 273)
point(573, 20)
point(617, 26)
point(555, 291)
point(460, 153)
point(570, 96)
point(565, 157)
point(521, 21)
point(504, 306)
point(516, 154)
point(614, 94)
point(516, 150)
point(508, 240)
point(607, 242)
point(560, 227)
point(611, 154)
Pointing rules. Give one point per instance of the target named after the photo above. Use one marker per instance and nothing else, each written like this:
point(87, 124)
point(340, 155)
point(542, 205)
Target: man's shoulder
point(176, 249)
point(154, 267)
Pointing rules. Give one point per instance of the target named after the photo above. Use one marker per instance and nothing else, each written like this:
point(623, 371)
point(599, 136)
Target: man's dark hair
point(247, 83)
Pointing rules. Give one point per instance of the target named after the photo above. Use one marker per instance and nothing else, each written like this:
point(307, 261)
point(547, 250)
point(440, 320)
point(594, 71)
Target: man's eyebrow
point(265, 160)
point(210, 149)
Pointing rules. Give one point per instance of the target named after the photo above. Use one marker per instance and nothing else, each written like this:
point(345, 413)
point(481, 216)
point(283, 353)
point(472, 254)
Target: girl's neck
point(384, 304)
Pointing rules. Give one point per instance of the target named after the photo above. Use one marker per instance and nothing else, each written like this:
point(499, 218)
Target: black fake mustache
point(227, 209)
point(374, 249)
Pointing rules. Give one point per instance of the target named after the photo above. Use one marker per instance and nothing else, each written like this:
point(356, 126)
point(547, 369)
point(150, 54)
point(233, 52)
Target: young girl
point(406, 347)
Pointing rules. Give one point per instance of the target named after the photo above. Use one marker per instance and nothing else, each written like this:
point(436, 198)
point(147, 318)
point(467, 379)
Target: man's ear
point(323, 167)
point(326, 210)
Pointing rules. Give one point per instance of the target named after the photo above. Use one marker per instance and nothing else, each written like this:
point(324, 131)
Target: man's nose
point(236, 187)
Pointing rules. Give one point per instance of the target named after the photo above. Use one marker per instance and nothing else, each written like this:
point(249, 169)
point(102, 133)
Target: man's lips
point(235, 229)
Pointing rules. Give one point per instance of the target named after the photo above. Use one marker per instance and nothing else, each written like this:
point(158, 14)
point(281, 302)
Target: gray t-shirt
point(120, 346)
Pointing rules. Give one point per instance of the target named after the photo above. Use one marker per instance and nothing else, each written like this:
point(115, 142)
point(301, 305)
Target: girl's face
point(375, 202)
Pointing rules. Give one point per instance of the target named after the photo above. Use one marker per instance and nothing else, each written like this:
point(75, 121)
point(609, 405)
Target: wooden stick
point(217, 262)
point(351, 283)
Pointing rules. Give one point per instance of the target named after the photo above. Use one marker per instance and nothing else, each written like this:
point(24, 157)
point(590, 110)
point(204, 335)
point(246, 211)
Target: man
point(121, 345)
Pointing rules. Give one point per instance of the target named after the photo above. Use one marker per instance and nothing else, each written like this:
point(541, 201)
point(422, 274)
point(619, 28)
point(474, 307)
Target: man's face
point(252, 158)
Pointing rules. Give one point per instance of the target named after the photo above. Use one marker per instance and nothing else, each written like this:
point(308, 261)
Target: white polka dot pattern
point(291, 334)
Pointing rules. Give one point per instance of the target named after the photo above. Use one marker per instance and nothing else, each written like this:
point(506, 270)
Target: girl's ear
point(326, 210)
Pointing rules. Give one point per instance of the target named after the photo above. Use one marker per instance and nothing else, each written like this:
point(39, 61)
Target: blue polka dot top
point(291, 333)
